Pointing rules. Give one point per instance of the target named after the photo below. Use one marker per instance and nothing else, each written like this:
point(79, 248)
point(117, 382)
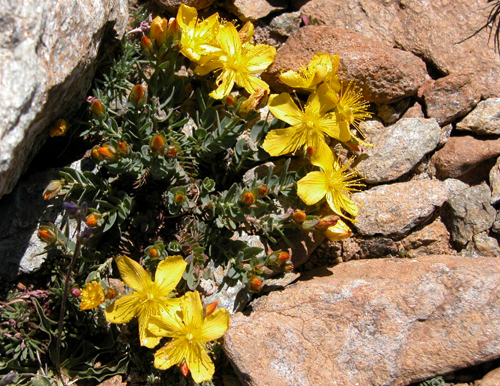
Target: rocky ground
point(414, 293)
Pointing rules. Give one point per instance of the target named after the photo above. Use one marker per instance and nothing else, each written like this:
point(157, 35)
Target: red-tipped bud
point(95, 153)
point(137, 96)
point(310, 151)
point(255, 283)
point(106, 152)
point(172, 151)
point(111, 294)
point(158, 143)
point(247, 198)
point(283, 257)
point(179, 198)
point(174, 30)
point(299, 216)
point(122, 148)
point(263, 191)
point(153, 252)
point(59, 128)
point(210, 308)
point(352, 146)
point(92, 220)
point(76, 292)
point(229, 101)
point(52, 189)
point(184, 368)
point(47, 234)
point(158, 31)
point(327, 222)
point(288, 267)
point(97, 108)
point(146, 44)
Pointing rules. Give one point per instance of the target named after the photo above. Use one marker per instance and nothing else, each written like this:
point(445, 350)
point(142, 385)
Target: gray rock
point(482, 245)
point(484, 119)
point(392, 112)
point(398, 148)
point(371, 323)
point(47, 55)
point(455, 186)
point(495, 182)
point(393, 210)
point(286, 23)
point(469, 213)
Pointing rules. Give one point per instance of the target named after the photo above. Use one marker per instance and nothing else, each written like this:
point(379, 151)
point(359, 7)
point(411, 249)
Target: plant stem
point(65, 294)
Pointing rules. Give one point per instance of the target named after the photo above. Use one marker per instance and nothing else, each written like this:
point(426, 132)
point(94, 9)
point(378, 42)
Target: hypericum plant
point(171, 197)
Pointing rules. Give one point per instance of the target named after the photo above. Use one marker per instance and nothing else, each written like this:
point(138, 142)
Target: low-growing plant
point(182, 173)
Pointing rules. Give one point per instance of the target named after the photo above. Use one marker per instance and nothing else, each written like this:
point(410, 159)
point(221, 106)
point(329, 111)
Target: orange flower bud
point(110, 294)
point(184, 368)
point(174, 30)
point(179, 198)
point(122, 148)
point(325, 223)
point(247, 198)
point(97, 108)
point(47, 234)
point(210, 308)
point(172, 151)
point(310, 151)
point(229, 101)
point(146, 44)
point(288, 267)
point(157, 143)
point(52, 189)
point(137, 96)
point(95, 153)
point(92, 220)
point(153, 252)
point(255, 283)
point(58, 128)
point(283, 257)
point(299, 216)
point(158, 31)
point(106, 152)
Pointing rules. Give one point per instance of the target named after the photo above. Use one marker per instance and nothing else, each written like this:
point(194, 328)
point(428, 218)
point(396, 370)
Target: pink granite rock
point(371, 323)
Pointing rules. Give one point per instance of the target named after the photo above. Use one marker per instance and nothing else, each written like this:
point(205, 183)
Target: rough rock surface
point(494, 179)
point(371, 323)
point(47, 52)
point(173, 5)
point(432, 239)
point(469, 213)
point(393, 210)
point(450, 97)
point(398, 148)
point(484, 119)
point(254, 10)
point(385, 74)
point(490, 379)
point(462, 154)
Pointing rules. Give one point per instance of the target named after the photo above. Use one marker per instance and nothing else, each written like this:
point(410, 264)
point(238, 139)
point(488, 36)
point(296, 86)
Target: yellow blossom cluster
point(330, 110)
point(215, 45)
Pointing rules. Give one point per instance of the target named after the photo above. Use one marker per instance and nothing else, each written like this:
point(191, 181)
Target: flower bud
point(58, 128)
point(158, 143)
point(184, 368)
point(210, 308)
point(97, 108)
point(153, 252)
point(146, 44)
point(95, 153)
point(172, 151)
point(179, 198)
point(137, 96)
point(122, 149)
point(247, 198)
point(52, 189)
point(310, 151)
point(253, 102)
point(326, 222)
point(288, 267)
point(110, 294)
point(92, 220)
point(70, 208)
point(229, 101)
point(299, 216)
point(106, 152)
point(76, 292)
point(283, 257)
point(158, 31)
point(174, 30)
point(47, 234)
point(263, 191)
point(255, 283)
point(340, 231)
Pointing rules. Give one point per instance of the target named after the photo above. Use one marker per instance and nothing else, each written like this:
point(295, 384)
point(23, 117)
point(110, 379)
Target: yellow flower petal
point(187, 16)
point(284, 108)
point(284, 141)
point(338, 202)
point(215, 325)
point(133, 274)
point(171, 354)
point(312, 187)
point(169, 273)
point(229, 39)
point(123, 309)
point(296, 80)
point(339, 231)
point(92, 296)
point(192, 309)
point(199, 363)
point(250, 83)
point(323, 157)
point(333, 125)
point(145, 337)
point(227, 79)
point(259, 57)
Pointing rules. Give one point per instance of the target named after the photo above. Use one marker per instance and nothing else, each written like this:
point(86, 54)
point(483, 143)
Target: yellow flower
point(58, 128)
point(92, 296)
point(334, 181)
point(158, 31)
point(149, 298)
point(308, 125)
point(321, 68)
point(190, 330)
point(198, 37)
point(339, 231)
point(238, 61)
point(350, 105)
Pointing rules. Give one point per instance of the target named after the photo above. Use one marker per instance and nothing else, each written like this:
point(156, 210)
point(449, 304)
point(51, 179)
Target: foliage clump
point(181, 174)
